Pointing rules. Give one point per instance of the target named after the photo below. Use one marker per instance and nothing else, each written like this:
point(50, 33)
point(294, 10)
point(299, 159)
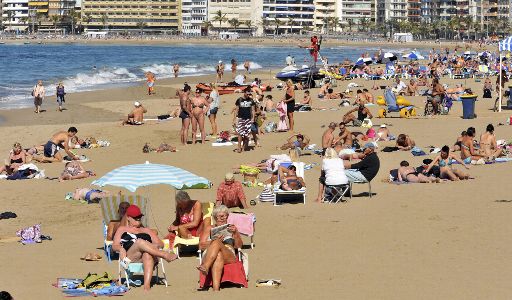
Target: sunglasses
point(137, 218)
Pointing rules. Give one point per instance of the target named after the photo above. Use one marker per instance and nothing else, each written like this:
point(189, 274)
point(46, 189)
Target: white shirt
point(334, 171)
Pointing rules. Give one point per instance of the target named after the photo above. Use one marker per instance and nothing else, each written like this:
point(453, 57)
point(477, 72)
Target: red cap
point(134, 211)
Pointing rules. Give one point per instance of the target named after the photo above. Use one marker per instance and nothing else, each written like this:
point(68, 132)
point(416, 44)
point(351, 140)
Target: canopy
point(506, 44)
point(413, 55)
point(359, 61)
point(132, 177)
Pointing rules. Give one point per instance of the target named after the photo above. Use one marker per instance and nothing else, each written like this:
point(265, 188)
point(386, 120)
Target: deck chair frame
point(301, 192)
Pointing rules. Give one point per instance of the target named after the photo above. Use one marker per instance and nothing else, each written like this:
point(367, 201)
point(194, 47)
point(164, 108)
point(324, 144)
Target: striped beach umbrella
point(132, 177)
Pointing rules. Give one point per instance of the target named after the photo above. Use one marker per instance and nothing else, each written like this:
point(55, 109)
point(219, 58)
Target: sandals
point(91, 257)
point(268, 282)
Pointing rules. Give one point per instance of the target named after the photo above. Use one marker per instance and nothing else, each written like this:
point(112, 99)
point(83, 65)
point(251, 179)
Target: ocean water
point(84, 67)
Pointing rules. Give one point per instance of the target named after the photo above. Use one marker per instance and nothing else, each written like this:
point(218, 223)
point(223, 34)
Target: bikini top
point(443, 163)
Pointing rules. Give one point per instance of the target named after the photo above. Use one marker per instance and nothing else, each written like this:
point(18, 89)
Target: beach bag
point(92, 280)
point(30, 234)
point(267, 195)
point(487, 93)
point(270, 127)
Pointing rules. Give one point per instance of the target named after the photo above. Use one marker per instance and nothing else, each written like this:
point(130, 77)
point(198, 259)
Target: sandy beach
point(419, 241)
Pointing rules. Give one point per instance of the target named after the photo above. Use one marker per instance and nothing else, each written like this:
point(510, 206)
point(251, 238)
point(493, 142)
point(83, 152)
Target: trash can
point(509, 101)
point(468, 106)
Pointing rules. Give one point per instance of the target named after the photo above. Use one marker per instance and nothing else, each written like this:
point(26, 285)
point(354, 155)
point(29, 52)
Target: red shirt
point(231, 194)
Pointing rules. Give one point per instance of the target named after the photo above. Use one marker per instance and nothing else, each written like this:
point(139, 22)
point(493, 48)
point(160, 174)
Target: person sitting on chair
point(219, 249)
point(289, 179)
point(189, 217)
point(366, 169)
point(113, 225)
point(333, 172)
point(136, 243)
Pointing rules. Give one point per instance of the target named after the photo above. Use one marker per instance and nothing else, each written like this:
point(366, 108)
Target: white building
point(193, 14)
point(15, 14)
point(293, 16)
point(241, 10)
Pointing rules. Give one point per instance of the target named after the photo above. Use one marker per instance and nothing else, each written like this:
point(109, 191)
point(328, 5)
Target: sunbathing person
point(136, 117)
point(301, 141)
point(458, 143)
point(162, 148)
point(412, 88)
point(368, 96)
point(17, 157)
point(383, 133)
point(407, 173)
point(324, 89)
point(119, 222)
point(404, 142)
point(445, 160)
point(289, 179)
point(75, 170)
point(58, 140)
point(468, 152)
point(305, 104)
point(136, 243)
point(345, 136)
point(219, 249)
point(362, 114)
point(89, 195)
point(189, 217)
point(488, 144)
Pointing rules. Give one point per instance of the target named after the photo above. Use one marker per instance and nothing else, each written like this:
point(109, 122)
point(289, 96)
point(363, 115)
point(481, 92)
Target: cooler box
point(468, 106)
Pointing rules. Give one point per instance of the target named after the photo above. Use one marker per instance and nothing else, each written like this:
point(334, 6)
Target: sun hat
point(133, 211)
point(229, 176)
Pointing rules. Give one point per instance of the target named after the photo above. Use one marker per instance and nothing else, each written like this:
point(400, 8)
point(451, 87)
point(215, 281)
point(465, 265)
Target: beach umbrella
point(132, 177)
point(413, 56)
point(359, 62)
point(389, 55)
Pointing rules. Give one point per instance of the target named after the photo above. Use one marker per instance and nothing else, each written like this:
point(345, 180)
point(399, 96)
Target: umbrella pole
point(501, 88)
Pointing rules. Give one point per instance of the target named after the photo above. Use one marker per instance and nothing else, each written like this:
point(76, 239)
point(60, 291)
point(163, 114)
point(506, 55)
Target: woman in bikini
point(404, 142)
point(214, 102)
point(289, 99)
point(198, 107)
point(445, 160)
point(467, 149)
point(135, 243)
point(189, 217)
point(289, 179)
point(407, 173)
point(458, 143)
point(488, 144)
point(17, 157)
point(75, 170)
point(219, 250)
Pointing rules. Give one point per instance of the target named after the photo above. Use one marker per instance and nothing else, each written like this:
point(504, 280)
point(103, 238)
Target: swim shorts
point(50, 149)
point(184, 115)
point(357, 123)
point(214, 111)
point(38, 101)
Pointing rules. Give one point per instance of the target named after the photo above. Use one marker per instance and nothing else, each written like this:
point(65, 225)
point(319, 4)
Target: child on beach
point(151, 82)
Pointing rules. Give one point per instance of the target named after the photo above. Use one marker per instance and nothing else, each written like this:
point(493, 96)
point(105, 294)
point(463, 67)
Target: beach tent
point(505, 45)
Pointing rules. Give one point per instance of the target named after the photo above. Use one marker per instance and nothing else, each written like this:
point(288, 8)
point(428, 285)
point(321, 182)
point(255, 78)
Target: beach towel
point(417, 152)
point(30, 234)
point(282, 110)
point(217, 144)
point(244, 222)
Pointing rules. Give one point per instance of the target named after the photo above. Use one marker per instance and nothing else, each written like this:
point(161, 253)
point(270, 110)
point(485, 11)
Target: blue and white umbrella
point(359, 62)
point(412, 56)
point(132, 177)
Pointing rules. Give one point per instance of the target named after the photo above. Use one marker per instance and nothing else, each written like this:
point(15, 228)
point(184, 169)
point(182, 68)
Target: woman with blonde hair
point(333, 172)
point(289, 99)
point(214, 100)
point(17, 157)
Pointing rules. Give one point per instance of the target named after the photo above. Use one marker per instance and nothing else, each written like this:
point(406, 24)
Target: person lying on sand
point(383, 133)
point(445, 162)
point(136, 243)
point(58, 140)
point(407, 173)
point(75, 170)
point(404, 142)
point(162, 148)
point(89, 195)
point(301, 141)
point(136, 117)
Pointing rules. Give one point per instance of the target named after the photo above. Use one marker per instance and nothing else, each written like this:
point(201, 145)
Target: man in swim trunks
point(58, 140)
point(245, 111)
point(185, 112)
point(176, 69)
point(136, 117)
point(345, 136)
point(328, 137)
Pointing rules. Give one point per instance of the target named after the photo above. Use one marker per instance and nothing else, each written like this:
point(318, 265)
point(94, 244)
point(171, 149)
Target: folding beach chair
point(281, 194)
point(244, 222)
point(194, 241)
point(109, 207)
point(361, 182)
point(235, 273)
point(335, 193)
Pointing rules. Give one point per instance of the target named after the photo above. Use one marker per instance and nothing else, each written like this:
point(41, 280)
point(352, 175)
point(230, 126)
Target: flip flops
point(91, 257)
point(268, 282)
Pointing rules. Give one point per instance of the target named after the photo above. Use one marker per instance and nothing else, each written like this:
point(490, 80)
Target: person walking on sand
point(60, 95)
point(214, 100)
point(150, 82)
point(38, 92)
point(234, 64)
point(247, 66)
point(176, 69)
point(198, 107)
point(244, 113)
point(220, 71)
point(185, 114)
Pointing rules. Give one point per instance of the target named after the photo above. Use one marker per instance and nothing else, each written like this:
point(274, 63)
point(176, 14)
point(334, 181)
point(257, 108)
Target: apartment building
point(396, 10)
point(15, 14)
point(115, 15)
point(193, 14)
point(240, 10)
point(355, 11)
point(294, 15)
point(60, 7)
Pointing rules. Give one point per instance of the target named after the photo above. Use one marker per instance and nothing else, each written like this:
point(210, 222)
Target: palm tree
point(341, 24)
point(9, 17)
point(74, 16)
point(234, 23)
point(104, 20)
point(86, 18)
point(363, 23)
point(219, 17)
point(141, 25)
point(248, 24)
point(206, 25)
point(335, 21)
point(265, 23)
point(278, 23)
point(290, 22)
point(350, 23)
point(55, 19)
